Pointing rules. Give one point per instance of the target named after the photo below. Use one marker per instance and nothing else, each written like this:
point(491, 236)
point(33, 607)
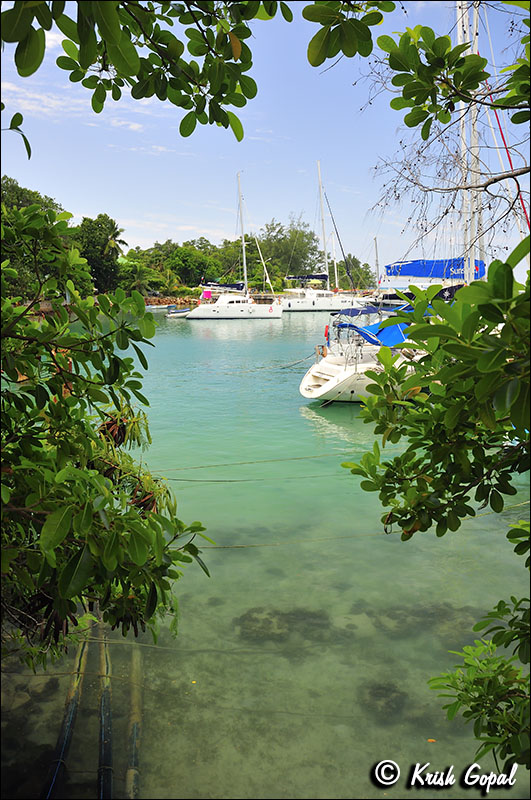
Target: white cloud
point(53, 40)
point(123, 123)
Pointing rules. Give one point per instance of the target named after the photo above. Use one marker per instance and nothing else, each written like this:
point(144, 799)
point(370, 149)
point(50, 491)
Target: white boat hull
point(328, 380)
point(315, 300)
point(236, 307)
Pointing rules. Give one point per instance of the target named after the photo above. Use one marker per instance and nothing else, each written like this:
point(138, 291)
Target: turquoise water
point(304, 659)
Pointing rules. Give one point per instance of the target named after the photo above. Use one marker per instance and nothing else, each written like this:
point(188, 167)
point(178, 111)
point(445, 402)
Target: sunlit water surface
point(303, 660)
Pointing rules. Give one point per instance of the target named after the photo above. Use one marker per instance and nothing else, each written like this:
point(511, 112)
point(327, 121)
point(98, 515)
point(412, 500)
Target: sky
point(131, 163)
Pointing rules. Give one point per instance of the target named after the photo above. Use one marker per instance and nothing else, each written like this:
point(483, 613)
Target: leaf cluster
point(495, 696)
point(434, 76)
point(461, 401)
point(82, 523)
point(112, 47)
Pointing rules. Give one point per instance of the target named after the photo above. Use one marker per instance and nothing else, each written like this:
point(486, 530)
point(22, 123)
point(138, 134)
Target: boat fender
point(324, 351)
point(326, 334)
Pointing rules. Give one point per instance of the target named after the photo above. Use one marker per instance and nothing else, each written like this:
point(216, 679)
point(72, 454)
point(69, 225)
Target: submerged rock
point(384, 701)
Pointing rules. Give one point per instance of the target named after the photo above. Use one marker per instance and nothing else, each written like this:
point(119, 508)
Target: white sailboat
point(306, 298)
point(340, 370)
point(231, 305)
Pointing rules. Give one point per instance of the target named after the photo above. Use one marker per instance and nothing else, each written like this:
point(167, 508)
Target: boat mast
point(334, 258)
point(323, 225)
point(463, 36)
point(242, 235)
point(377, 263)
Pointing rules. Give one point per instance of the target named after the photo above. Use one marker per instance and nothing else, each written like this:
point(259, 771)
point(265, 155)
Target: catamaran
point(307, 298)
point(232, 305)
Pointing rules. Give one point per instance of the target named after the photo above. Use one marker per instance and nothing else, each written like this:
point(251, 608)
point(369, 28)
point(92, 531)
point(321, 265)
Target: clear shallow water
point(304, 659)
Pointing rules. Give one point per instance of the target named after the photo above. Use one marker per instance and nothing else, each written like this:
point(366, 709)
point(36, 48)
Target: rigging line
point(334, 538)
point(245, 463)
point(280, 366)
point(340, 243)
point(507, 151)
point(257, 480)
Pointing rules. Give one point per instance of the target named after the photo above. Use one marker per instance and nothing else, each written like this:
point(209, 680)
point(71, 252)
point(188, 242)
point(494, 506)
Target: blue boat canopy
point(375, 334)
point(447, 268)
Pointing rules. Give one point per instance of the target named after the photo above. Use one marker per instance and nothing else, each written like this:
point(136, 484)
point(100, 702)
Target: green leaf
point(110, 552)
point(348, 38)
point(318, 47)
point(188, 123)
point(202, 565)
point(70, 49)
point(16, 23)
point(137, 549)
point(88, 50)
point(415, 117)
point(385, 356)
point(492, 360)
point(64, 62)
point(236, 126)
point(76, 574)
point(398, 103)
point(83, 520)
point(108, 21)
point(286, 12)
point(248, 86)
point(501, 279)
point(68, 27)
point(124, 57)
point(386, 43)
point(496, 501)
point(55, 528)
point(30, 52)
point(519, 252)
point(425, 130)
point(151, 602)
point(520, 117)
point(322, 14)
point(16, 120)
point(520, 410)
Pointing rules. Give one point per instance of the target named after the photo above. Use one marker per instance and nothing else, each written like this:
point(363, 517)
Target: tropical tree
point(94, 237)
point(136, 277)
point(353, 274)
point(293, 248)
point(15, 195)
point(114, 243)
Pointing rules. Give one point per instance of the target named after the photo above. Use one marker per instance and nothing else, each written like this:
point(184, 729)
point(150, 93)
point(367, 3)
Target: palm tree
point(142, 278)
point(114, 243)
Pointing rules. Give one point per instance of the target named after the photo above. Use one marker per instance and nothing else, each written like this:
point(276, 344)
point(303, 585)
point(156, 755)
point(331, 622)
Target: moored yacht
point(236, 305)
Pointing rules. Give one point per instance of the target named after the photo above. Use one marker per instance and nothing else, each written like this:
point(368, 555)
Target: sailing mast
point(323, 225)
point(377, 263)
point(242, 236)
point(334, 259)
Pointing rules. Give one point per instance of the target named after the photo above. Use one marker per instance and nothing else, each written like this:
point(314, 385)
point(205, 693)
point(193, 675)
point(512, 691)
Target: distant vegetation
point(167, 268)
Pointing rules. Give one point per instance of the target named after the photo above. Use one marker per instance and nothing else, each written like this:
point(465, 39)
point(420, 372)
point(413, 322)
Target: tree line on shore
point(171, 269)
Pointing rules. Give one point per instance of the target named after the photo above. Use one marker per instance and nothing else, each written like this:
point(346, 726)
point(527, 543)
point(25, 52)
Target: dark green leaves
point(76, 573)
point(235, 125)
point(30, 52)
point(318, 47)
point(108, 21)
point(55, 528)
point(124, 56)
point(188, 123)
